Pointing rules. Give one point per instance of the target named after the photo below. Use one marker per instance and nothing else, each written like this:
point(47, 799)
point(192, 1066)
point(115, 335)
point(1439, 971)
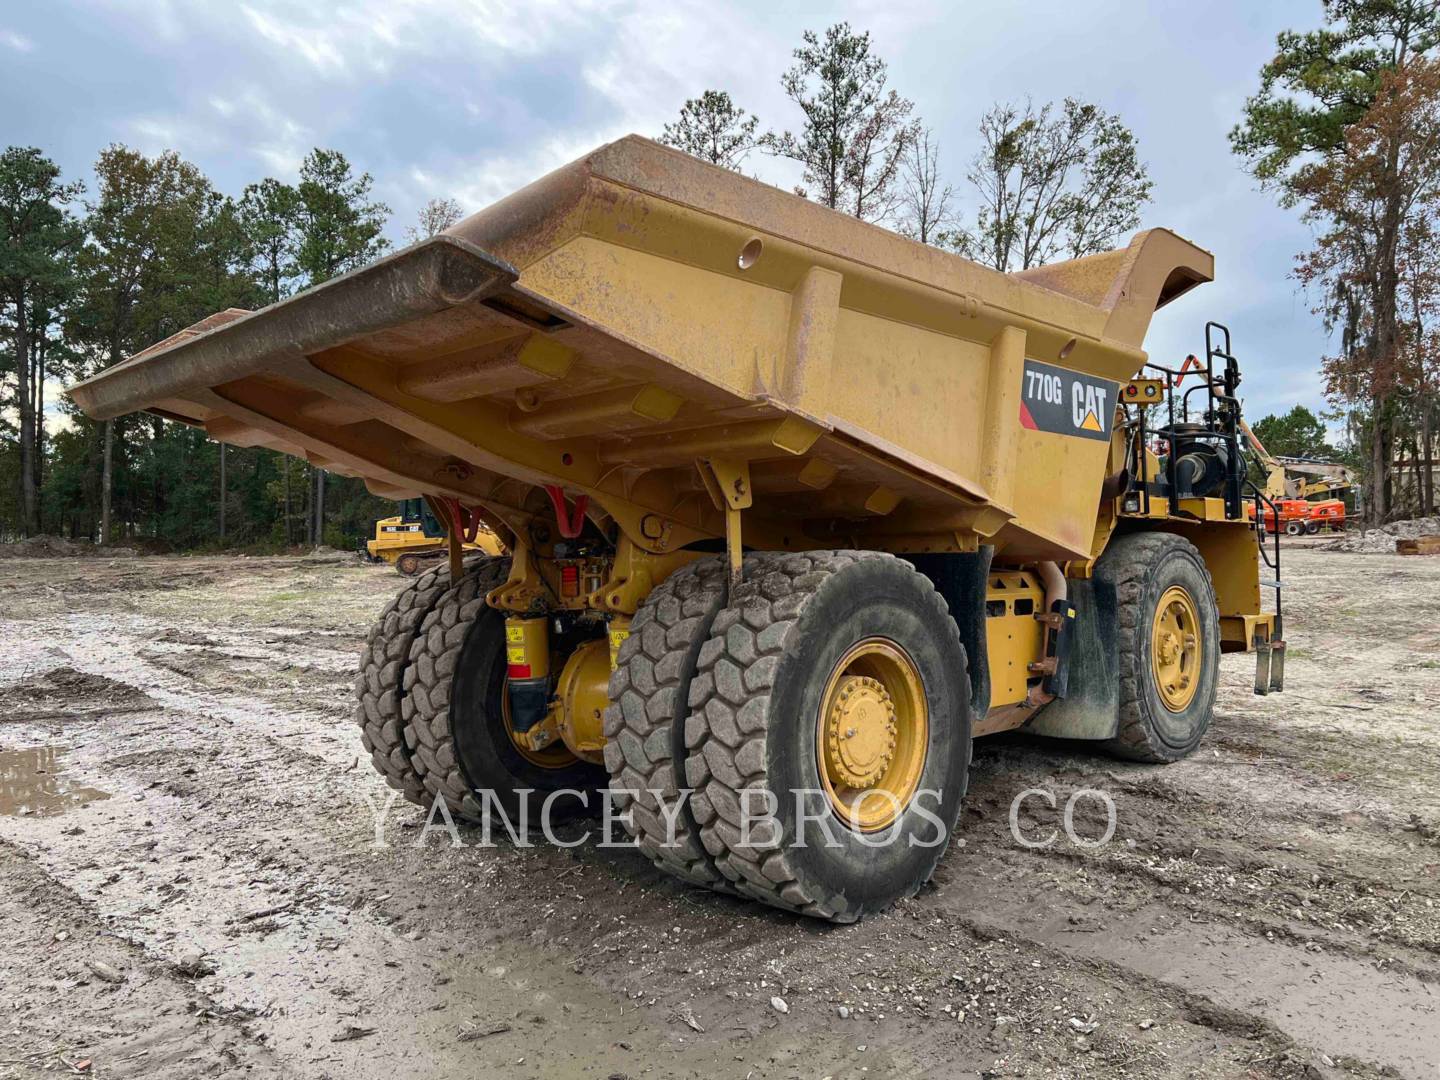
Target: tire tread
point(729, 723)
point(1128, 563)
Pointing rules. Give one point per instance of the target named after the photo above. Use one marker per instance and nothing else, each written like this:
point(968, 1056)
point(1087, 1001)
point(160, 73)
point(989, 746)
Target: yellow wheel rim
point(872, 734)
point(555, 756)
point(1175, 648)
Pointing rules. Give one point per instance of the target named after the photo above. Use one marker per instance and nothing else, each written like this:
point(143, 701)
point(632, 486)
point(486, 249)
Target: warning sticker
point(515, 645)
point(1065, 402)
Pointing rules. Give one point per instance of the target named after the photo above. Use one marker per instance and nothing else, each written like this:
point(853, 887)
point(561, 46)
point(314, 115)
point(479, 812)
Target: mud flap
point(1091, 705)
point(961, 579)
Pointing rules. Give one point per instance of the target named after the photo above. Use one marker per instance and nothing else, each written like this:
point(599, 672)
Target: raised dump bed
point(944, 511)
point(606, 326)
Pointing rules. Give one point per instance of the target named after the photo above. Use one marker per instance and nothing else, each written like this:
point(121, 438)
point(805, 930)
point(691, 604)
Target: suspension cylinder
point(527, 660)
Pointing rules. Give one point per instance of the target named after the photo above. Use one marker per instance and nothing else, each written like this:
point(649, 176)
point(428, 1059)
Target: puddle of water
point(31, 784)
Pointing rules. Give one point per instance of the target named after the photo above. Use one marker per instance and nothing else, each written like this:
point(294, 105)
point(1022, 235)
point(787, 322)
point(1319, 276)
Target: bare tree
point(1052, 184)
point(435, 217)
point(713, 128)
point(924, 196)
point(855, 131)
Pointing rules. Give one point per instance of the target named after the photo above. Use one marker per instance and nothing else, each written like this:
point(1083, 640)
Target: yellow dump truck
point(412, 539)
point(795, 508)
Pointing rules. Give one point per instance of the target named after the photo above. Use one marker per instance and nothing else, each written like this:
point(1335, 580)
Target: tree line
point(91, 273)
point(1345, 127)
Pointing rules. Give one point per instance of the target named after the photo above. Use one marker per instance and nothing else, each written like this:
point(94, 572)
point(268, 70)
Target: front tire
point(1168, 645)
point(813, 650)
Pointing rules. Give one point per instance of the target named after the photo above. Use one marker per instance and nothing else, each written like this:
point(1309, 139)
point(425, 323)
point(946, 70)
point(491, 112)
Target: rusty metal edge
point(420, 280)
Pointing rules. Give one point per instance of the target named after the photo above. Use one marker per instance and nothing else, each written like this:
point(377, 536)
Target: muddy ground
point(190, 884)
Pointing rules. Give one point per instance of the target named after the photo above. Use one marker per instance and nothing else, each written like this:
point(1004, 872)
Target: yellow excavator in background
point(414, 538)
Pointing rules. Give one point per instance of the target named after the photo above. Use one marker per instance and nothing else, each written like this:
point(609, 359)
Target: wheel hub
point(1175, 648)
point(872, 732)
point(860, 732)
point(1169, 647)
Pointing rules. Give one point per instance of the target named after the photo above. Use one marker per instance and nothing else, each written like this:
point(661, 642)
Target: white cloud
point(161, 17)
point(353, 38)
point(286, 139)
point(234, 122)
point(318, 49)
point(17, 41)
point(477, 182)
point(154, 134)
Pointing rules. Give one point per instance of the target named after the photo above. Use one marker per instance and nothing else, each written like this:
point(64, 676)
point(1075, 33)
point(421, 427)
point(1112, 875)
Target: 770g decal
point(1065, 402)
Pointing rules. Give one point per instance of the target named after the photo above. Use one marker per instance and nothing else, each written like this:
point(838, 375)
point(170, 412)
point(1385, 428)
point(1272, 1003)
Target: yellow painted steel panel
point(507, 353)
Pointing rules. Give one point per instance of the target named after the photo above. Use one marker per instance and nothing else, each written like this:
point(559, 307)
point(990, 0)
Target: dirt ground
point(191, 884)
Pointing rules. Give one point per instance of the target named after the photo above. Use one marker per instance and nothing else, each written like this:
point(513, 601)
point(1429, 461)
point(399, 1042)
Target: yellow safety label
point(617, 638)
point(515, 634)
point(515, 654)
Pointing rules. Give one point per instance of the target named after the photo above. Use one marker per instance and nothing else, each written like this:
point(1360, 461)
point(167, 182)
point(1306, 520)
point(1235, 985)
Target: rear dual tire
point(379, 684)
point(757, 731)
point(431, 708)
point(455, 715)
point(645, 721)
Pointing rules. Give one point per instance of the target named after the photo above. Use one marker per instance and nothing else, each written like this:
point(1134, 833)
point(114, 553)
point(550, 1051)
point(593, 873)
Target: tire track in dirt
point(234, 802)
point(206, 762)
point(79, 992)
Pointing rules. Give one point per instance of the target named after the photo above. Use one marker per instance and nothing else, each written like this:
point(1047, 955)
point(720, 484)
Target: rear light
point(570, 580)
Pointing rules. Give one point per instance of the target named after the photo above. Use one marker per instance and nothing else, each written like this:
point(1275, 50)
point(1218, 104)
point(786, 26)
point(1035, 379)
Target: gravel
point(1382, 540)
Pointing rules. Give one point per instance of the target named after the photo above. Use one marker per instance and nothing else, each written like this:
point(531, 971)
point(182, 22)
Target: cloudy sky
point(473, 98)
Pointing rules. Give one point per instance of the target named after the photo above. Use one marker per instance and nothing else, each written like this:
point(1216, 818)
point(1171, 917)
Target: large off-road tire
point(455, 714)
point(774, 657)
point(1312, 528)
point(645, 721)
point(1294, 528)
point(379, 684)
point(1162, 718)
